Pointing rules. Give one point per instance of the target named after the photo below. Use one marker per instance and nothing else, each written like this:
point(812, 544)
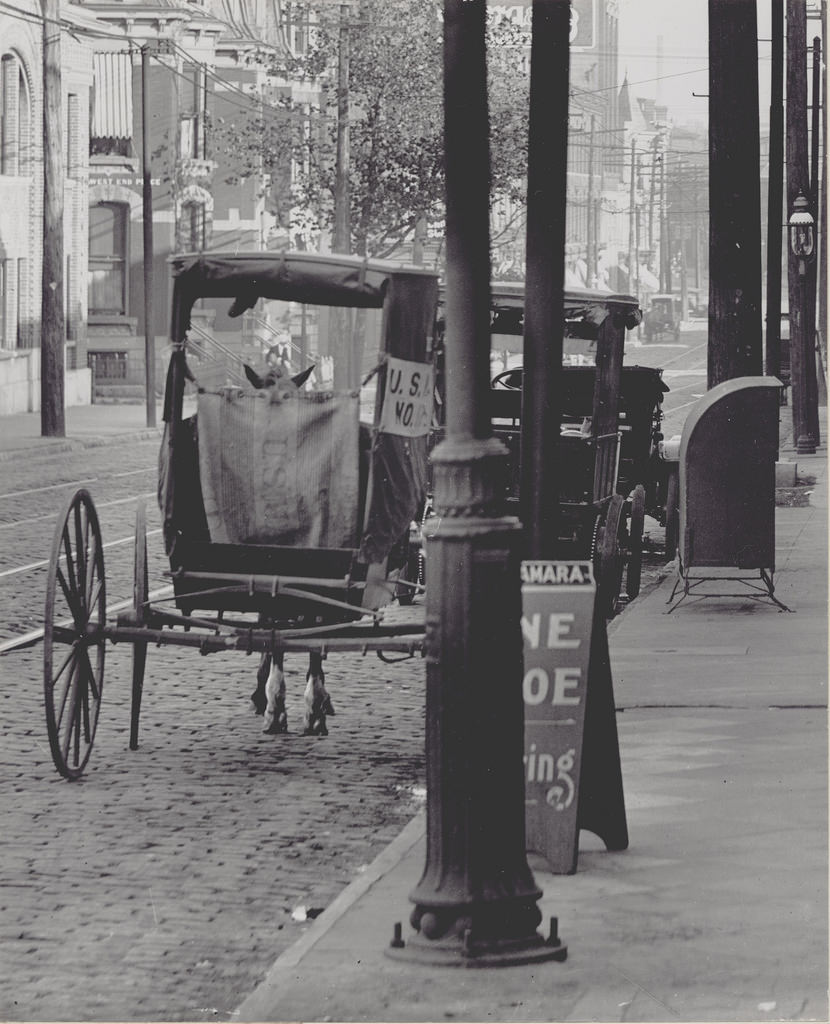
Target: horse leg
point(276, 719)
point(317, 701)
point(258, 698)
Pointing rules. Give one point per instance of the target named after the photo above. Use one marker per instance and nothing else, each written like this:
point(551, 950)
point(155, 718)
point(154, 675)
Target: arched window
point(15, 118)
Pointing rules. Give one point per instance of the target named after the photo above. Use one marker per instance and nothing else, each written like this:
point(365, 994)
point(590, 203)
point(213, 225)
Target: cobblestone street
point(162, 885)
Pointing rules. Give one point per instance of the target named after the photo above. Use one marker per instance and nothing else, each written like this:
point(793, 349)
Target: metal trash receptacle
point(728, 451)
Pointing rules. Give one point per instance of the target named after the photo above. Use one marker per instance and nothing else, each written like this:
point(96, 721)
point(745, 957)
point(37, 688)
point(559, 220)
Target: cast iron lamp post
point(802, 357)
point(476, 902)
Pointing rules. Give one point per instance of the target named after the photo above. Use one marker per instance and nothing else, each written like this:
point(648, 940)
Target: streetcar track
point(684, 387)
point(98, 505)
point(39, 565)
point(683, 355)
point(73, 483)
point(685, 405)
point(34, 635)
point(48, 487)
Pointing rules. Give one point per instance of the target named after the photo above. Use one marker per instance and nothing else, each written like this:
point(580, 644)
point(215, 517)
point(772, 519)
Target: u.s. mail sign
point(407, 399)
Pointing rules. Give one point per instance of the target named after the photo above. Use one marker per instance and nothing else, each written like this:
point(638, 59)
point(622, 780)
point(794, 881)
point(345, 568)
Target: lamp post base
point(805, 445)
point(461, 949)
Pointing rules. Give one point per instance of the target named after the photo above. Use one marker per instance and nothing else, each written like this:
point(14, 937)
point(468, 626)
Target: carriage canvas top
point(320, 478)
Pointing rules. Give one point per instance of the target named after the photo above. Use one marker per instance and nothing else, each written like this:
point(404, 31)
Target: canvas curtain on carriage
point(280, 471)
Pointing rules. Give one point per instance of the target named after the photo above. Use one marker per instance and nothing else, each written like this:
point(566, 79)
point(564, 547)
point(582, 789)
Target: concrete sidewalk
point(719, 908)
point(87, 426)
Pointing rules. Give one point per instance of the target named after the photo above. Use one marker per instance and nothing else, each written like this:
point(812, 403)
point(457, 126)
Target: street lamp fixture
point(801, 225)
point(802, 344)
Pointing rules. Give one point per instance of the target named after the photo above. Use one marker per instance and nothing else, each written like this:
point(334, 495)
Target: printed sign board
point(407, 400)
point(583, 19)
point(557, 618)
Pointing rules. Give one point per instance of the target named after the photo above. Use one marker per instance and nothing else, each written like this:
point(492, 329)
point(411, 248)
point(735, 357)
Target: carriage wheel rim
point(610, 555)
point(74, 620)
point(140, 598)
point(635, 559)
point(141, 585)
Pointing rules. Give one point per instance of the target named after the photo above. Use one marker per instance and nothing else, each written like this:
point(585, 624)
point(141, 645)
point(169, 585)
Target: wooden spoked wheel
point(610, 556)
point(140, 592)
point(634, 573)
point(74, 640)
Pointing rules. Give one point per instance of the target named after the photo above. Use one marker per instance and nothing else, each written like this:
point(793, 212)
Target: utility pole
point(812, 266)
point(545, 276)
point(590, 255)
point(822, 226)
point(735, 336)
point(419, 238)
point(664, 241)
point(681, 228)
point(344, 323)
point(342, 241)
point(802, 354)
point(632, 217)
point(147, 222)
point(654, 144)
point(597, 235)
point(776, 191)
point(53, 328)
point(638, 245)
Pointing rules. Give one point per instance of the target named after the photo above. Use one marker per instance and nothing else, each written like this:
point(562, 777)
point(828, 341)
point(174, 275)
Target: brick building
point(195, 68)
point(21, 199)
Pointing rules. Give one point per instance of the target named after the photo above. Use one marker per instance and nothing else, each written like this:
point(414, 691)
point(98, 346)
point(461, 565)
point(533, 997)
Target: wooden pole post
point(545, 277)
point(52, 330)
point(341, 241)
point(735, 336)
point(632, 215)
point(147, 225)
point(654, 146)
point(802, 359)
point(345, 324)
point(812, 266)
point(822, 225)
point(680, 224)
point(776, 192)
point(590, 254)
point(664, 287)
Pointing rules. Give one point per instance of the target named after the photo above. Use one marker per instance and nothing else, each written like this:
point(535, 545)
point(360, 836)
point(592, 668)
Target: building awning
point(112, 104)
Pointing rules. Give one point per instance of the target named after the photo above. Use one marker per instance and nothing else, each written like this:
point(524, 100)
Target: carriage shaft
point(262, 641)
point(257, 583)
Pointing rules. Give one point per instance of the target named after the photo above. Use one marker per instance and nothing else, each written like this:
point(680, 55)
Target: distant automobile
point(662, 317)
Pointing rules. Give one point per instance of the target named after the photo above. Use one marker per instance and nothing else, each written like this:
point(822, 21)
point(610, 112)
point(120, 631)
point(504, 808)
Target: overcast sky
point(683, 25)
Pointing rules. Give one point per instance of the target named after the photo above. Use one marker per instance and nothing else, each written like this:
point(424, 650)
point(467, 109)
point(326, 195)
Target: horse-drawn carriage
point(285, 506)
point(608, 469)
